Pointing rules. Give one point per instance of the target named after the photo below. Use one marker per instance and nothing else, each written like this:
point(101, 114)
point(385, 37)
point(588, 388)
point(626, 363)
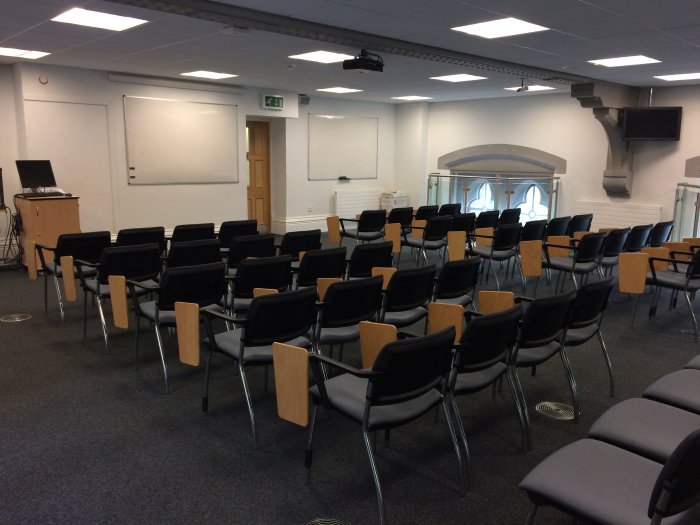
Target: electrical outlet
point(310, 209)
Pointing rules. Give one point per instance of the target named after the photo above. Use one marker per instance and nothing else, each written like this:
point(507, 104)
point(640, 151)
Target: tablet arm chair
point(370, 226)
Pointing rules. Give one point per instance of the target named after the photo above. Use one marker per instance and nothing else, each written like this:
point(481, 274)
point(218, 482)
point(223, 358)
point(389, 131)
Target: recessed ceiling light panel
point(412, 98)
point(462, 77)
point(324, 57)
point(680, 76)
point(339, 90)
point(208, 74)
point(529, 88)
point(500, 28)
point(624, 61)
point(21, 53)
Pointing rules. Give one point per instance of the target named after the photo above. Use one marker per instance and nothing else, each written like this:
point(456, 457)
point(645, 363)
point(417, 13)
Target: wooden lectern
point(43, 219)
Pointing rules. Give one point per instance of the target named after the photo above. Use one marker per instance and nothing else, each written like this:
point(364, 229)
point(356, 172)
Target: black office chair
point(324, 263)
point(487, 219)
point(423, 213)
point(558, 226)
point(457, 281)
point(243, 247)
point(504, 246)
point(265, 272)
point(302, 241)
point(191, 253)
point(131, 236)
point(586, 258)
point(364, 257)
point(638, 238)
point(370, 226)
point(579, 223)
point(450, 209)
point(403, 216)
point(193, 232)
point(614, 244)
point(407, 380)
point(660, 233)
point(231, 229)
point(434, 237)
point(534, 230)
point(509, 216)
point(407, 295)
point(463, 222)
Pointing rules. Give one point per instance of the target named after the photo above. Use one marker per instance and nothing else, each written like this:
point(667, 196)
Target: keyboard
point(39, 195)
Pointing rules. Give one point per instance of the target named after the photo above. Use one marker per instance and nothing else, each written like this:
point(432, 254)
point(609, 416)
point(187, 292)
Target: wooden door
point(259, 173)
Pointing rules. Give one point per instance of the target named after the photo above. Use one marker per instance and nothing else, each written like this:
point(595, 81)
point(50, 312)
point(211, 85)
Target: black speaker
point(304, 99)
point(2, 193)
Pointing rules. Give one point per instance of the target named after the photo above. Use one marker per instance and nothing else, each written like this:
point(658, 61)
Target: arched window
point(532, 208)
point(483, 200)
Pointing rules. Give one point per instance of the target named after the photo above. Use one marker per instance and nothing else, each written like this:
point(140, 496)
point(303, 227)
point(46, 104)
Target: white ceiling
point(171, 43)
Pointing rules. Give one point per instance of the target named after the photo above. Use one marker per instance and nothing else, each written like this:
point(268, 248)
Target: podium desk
point(43, 219)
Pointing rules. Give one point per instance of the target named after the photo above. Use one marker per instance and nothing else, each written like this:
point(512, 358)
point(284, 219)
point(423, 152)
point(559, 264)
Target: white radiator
point(619, 214)
point(349, 203)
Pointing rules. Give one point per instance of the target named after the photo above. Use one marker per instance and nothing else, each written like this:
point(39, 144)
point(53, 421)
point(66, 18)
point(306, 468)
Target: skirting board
point(282, 225)
point(619, 214)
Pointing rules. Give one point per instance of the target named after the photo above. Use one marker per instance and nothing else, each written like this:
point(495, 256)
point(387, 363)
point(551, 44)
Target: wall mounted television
point(35, 173)
point(655, 123)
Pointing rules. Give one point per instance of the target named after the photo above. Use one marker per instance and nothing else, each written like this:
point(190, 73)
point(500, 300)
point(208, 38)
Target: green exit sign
point(273, 102)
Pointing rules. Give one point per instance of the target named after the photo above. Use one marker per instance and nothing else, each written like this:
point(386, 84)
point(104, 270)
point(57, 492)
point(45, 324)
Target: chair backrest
point(487, 219)
point(545, 319)
point(506, 236)
point(403, 216)
point(457, 278)
point(193, 232)
point(190, 253)
point(86, 246)
point(558, 226)
point(615, 242)
point(488, 339)
point(409, 288)
point(301, 241)
point(364, 257)
point(534, 230)
point(203, 284)
point(137, 262)
point(678, 486)
point(131, 236)
point(579, 223)
point(279, 317)
point(590, 303)
point(349, 302)
point(590, 247)
point(321, 263)
point(423, 213)
point(371, 221)
point(230, 229)
point(437, 227)
point(450, 209)
point(693, 270)
point(265, 272)
point(509, 216)
point(410, 367)
point(463, 222)
point(660, 233)
point(638, 237)
point(260, 245)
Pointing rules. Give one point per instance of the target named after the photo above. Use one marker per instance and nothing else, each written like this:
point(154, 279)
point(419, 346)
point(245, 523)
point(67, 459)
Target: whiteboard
point(177, 142)
point(342, 146)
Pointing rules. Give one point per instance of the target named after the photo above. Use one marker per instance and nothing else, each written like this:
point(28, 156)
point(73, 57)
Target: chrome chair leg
point(162, 356)
point(608, 363)
point(455, 443)
point(572, 382)
point(523, 406)
point(309, 444)
point(375, 476)
point(531, 514)
point(104, 323)
point(692, 315)
point(463, 435)
point(207, 375)
point(518, 409)
point(249, 402)
point(137, 330)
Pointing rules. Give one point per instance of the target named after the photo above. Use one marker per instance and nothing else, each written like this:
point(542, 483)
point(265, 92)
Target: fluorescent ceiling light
point(681, 76)
point(208, 74)
point(83, 17)
point(463, 77)
point(324, 57)
point(339, 90)
point(530, 88)
point(21, 53)
point(624, 61)
point(412, 97)
point(500, 28)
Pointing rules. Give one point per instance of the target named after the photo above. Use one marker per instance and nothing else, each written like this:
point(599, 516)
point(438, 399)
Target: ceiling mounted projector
point(365, 61)
point(522, 87)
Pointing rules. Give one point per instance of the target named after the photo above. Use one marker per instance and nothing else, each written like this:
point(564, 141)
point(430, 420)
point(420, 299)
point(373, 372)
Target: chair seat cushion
point(165, 317)
point(539, 354)
point(57, 270)
point(578, 336)
point(461, 300)
point(363, 236)
point(469, 382)
point(428, 245)
point(347, 394)
point(693, 363)
point(674, 280)
point(405, 317)
point(498, 255)
point(229, 343)
point(601, 482)
point(609, 262)
point(338, 335)
point(565, 263)
point(680, 389)
point(92, 286)
point(645, 427)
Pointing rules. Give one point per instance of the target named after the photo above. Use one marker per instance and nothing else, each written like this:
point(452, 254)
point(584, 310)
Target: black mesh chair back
point(190, 253)
point(407, 368)
point(301, 241)
point(349, 302)
point(423, 213)
point(590, 247)
point(193, 232)
point(545, 319)
point(693, 270)
point(638, 237)
point(230, 229)
point(463, 222)
point(204, 284)
point(509, 216)
point(279, 317)
point(487, 219)
point(371, 221)
point(615, 242)
point(138, 262)
point(260, 245)
point(364, 257)
point(457, 278)
point(590, 303)
point(660, 233)
point(403, 216)
point(558, 226)
point(265, 272)
point(437, 227)
point(321, 263)
point(409, 288)
point(579, 223)
point(506, 237)
point(131, 236)
point(450, 209)
point(678, 486)
point(534, 230)
point(84, 246)
point(487, 340)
